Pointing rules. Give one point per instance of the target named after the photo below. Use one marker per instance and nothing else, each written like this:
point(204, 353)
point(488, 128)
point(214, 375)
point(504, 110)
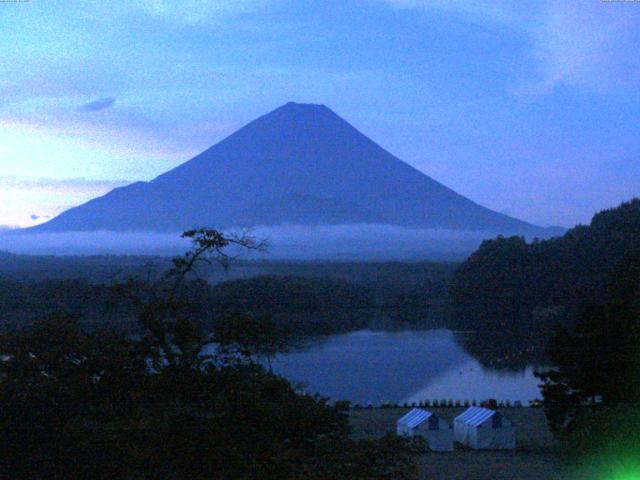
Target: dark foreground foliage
point(78, 405)
point(101, 405)
point(597, 362)
point(592, 396)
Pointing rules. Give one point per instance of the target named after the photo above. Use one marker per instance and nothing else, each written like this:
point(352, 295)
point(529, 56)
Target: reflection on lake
point(408, 366)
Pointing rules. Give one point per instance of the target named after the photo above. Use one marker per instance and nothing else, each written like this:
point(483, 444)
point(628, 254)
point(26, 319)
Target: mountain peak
point(295, 110)
point(299, 164)
point(304, 106)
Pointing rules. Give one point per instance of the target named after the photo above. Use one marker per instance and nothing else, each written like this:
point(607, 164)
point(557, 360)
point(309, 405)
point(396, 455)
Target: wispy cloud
point(585, 44)
point(21, 196)
point(97, 105)
point(34, 216)
point(479, 11)
point(582, 43)
point(359, 241)
point(78, 184)
point(188, 12)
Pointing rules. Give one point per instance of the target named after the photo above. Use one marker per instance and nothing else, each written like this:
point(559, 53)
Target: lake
point(408, 366)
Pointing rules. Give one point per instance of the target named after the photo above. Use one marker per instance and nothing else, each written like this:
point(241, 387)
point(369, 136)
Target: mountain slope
point(300, 164)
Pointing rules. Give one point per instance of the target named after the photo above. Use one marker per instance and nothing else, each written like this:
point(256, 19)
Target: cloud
point(187, 12)
point(27, 201)
point(585, 44)
point(358, 241)
point(97, 105)
point(81, 184)
point(117, 140)
point(493, 12)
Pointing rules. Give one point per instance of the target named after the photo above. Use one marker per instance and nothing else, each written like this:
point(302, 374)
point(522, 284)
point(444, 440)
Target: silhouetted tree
point(163, 309)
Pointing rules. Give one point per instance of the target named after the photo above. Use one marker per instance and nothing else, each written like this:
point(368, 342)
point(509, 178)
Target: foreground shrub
point(87, 405)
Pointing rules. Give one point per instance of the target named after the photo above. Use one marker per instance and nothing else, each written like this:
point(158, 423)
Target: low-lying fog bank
point(358, 242)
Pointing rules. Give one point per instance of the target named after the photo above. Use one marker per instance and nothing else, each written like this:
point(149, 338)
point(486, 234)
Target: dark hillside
point(515, 286)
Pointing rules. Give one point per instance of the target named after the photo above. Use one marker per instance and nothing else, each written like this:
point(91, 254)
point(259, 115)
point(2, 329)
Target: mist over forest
point(326, 242)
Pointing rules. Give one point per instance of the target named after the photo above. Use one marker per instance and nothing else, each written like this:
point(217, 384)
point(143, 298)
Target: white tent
point(482, 428)
point(437, 432)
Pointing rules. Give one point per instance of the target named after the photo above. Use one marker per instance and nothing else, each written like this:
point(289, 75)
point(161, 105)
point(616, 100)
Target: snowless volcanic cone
point(300, 164)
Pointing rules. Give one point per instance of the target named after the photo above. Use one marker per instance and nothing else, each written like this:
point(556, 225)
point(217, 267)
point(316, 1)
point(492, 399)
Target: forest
point(312, 297)
point(515, 293)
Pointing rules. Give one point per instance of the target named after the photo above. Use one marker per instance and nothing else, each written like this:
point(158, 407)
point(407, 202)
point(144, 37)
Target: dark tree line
point(310, 306)
point(511, 288)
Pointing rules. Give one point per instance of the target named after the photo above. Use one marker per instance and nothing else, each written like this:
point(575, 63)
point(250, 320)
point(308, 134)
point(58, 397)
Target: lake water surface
point(409, 366)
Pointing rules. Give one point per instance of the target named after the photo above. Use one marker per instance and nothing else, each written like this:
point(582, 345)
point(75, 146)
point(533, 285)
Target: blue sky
point(527, 107)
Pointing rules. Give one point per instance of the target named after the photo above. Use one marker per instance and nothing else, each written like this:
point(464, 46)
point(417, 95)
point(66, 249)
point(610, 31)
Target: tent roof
point(475, 415)
point(415, 417)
